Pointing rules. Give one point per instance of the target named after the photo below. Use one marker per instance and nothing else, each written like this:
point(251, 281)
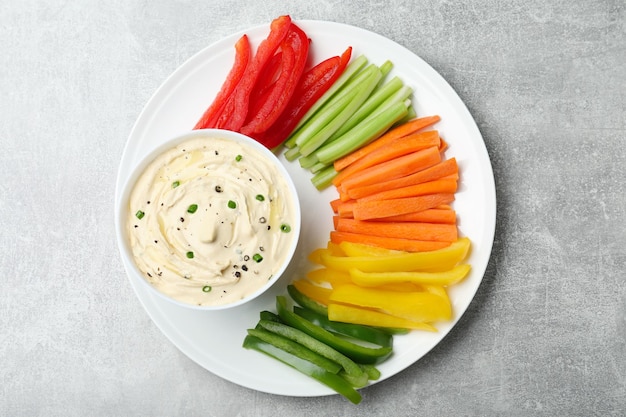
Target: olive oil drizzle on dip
point(210, 221)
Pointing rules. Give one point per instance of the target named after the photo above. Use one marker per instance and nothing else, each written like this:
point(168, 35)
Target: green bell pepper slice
point(356, 331)
point(356, 352)
point(352, 371)
point(318, 314)
point(296, 349)
point(333, 381)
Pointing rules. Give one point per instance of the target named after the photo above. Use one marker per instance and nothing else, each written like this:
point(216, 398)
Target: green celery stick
point(324, 177)
point(322, 118)
point(329, 108)
point(399, 96)
point(375, 100)
point(307, 162)
point(363, 133)
point(317, 167)
point(359, 96)
point(412, 114)
point(386, 67)
point(292, 154)
point(353, 68)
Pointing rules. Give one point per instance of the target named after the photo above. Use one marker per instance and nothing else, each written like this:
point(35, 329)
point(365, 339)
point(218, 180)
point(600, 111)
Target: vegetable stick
point(399, 147)
point(236, 109)
point(376, 98)
point(359, 96)
point(434, 215)
point(416, 306)
point(334, 205)
point(330, 276)
point(242, 57)
point(315, 255)
point(312, 85)
point(402, 230)
point(372, 127)
point(443, 145)
point(324, 177)
point(393, 134)
point(353, 68)
point(343, 196)
point(395, 168)
point(437, 260)
point(315, 292)
point(365, 210)
point(358, 315)
point(435, 172)
point(431, 187)
point(398, 244)
point(346, 208)
point(363, 249)
point(375, 279)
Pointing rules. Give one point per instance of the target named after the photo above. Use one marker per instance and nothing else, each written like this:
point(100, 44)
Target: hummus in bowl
point(210, 219)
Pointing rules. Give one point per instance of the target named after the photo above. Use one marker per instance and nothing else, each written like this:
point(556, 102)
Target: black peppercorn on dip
point(211, 221)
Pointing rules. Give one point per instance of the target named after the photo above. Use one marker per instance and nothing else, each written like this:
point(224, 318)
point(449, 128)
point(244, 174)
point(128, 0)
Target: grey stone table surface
point(545, 82)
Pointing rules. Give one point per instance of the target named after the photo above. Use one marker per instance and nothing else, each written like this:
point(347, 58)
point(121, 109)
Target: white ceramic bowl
point(123, 212)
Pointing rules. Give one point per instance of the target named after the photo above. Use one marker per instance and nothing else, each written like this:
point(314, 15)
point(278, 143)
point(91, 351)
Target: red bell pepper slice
point(295, 52)
point(236, 109)
point(265, 82)
point(242, 57)
point(313, 84)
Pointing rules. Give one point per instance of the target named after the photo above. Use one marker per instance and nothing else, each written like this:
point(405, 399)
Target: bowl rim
point(122, 211)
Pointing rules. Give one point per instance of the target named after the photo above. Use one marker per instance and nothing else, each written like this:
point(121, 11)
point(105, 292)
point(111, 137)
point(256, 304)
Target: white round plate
point(213, 339)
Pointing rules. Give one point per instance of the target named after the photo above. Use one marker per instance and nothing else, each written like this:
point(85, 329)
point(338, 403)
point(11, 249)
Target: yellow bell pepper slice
point(437, 260)
point(351, 314)
point(361, 249)
point(314, 292)
point(328, 276)
point(415, 306)
point(374, 279)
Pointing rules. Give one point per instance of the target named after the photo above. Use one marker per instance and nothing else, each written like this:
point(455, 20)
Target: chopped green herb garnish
point(232, 204)
point(207, 288)
point(257, 258)
point(192, 208)
point(285, 228)
point(260, 197)
point(238, 158)
point(140, 214)
point(175, 184)
point(190, 255)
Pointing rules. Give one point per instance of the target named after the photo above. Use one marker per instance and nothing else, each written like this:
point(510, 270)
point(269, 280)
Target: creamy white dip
point(210, 221)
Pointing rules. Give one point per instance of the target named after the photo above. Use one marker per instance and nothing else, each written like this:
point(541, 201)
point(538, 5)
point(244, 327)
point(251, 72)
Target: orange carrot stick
point(395, 133)
point(401, 230)
point(334, 204)
point(407, 245)
point(396, 148)
point(443, 145)
point(430, 187)
point(435, 215)
point(366, 210)
point(395, 168)
point(435, 172)
point(346, 208)
point(343, 196)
